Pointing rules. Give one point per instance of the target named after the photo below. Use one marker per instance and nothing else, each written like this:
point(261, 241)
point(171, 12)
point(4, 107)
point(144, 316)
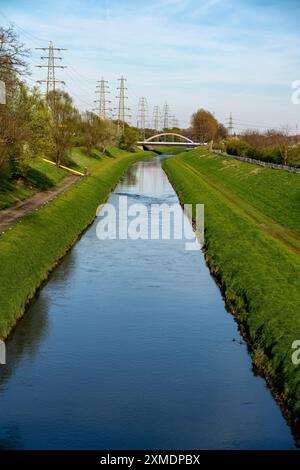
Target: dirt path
point(11, 215)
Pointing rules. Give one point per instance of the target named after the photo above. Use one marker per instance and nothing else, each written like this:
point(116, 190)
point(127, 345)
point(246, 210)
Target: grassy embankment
point(32, 247)
point(38, 176)
point(252, 245)
point(166, 150)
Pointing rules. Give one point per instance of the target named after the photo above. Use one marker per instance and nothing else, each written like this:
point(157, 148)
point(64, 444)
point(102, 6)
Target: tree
point(40, 141)
point(204, 125)
point(12, 128)
point(12, 56)
point(64, 121)
point(284, 142)
point(108, 133)
point(222, 132)
point(97, 132)
point(90, 130)
point(129, 137)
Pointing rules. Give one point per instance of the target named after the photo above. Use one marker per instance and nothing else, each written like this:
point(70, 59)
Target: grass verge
point(37, 176)
point(253, 261)
point(33, 246)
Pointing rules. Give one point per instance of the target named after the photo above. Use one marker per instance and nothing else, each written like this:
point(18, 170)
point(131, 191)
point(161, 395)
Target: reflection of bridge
point(187, 142)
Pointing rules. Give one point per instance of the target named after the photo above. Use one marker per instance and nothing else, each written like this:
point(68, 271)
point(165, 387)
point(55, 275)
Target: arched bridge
point(153, 141)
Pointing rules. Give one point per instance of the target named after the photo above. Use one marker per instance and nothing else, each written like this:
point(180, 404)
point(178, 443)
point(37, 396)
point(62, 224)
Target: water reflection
point(146, 179)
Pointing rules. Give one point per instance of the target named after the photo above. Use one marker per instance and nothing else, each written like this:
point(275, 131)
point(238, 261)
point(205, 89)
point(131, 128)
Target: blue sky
point(224, 55)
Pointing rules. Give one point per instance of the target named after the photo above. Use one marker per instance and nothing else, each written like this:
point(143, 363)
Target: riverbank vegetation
point(32, 247)
point(252, 245)
point(272, 146)
point(278, 146)
point(33, 127)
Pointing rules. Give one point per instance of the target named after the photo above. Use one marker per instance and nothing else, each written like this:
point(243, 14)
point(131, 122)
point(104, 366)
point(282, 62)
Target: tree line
point(275, 146)
point(33, 126)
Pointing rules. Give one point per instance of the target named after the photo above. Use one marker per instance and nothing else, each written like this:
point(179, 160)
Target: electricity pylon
point(175, 122)
point(102, 88)
point(51, 66)
point(166, 116)
point(156, 118)
point(122, 110)
point(142, 118)
point(230, 124)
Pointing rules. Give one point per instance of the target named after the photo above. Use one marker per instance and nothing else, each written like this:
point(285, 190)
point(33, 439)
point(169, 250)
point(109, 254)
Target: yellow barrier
point(64, 167)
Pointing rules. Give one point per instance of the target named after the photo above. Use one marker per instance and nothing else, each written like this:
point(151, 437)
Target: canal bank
point(31, 248)
point(129, 346)
point(255, 266)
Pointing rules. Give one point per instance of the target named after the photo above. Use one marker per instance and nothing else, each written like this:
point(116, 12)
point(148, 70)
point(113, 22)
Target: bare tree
point(205, 126)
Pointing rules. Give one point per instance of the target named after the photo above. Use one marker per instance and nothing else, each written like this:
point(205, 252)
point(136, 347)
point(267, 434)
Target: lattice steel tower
point(175, 122)
point(166, 116)
point(51, 66)
point(122, 110)
point(103, 89)
point(230, 125)
point(156, 118)
point(142, 118)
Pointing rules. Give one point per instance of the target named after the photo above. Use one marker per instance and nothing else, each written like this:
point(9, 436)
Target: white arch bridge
point(154, 142)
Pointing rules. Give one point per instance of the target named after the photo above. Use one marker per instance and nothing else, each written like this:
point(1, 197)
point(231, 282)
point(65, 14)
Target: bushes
point(272, 155)
point(240, 148)
point(295, 155)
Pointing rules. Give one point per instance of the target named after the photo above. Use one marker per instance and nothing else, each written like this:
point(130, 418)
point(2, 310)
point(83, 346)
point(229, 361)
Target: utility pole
point(51, 66)
point(102, 89)
point(230, 125)
point(156, 118)
point(122, 110)
point(142, 118)
point(166, 116)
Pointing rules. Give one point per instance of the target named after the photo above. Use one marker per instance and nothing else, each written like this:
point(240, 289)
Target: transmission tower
point(166, 116)
point(230, 124)
point(175, 122)
point(156, 118)
point(142, 118)
point(51, 66)
point(102, 89)
point(122, 110)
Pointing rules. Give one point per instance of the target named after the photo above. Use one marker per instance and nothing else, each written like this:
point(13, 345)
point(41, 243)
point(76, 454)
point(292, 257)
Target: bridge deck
point(172, 144)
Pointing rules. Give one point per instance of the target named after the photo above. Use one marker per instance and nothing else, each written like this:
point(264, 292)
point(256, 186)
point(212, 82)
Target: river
point(129, 345)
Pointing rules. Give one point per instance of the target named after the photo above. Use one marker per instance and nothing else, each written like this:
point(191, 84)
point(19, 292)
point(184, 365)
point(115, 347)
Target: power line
point(22, 30)
point(51, 67)
point(90, 105)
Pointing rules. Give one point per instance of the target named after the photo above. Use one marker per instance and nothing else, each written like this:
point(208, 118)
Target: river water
point(129, 346)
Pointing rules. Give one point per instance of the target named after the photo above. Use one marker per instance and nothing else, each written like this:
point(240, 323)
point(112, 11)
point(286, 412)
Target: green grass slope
point(256, 265)
point(34, 245)
point(38, 176)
